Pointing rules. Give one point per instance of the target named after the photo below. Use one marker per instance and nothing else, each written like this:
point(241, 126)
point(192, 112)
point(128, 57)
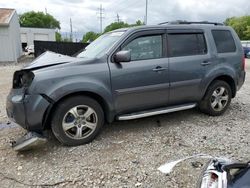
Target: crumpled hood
point(49, 59)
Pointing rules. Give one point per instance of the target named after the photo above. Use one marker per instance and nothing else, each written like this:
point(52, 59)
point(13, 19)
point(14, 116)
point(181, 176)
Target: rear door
point(188, 61)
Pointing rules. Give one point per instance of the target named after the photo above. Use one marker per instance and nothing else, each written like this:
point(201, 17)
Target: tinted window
point(146, 47)
point(186, 44)
point(224, 41)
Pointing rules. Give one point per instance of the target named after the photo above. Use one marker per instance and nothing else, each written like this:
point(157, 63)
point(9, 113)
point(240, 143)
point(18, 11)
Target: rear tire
point(77, 120)
point(217, 98)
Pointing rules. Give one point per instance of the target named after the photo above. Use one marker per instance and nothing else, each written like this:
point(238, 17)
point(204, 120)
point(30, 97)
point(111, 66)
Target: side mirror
point(122, 56)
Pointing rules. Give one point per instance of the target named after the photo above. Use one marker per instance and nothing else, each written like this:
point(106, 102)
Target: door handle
point(159, 68)
point(205, 63)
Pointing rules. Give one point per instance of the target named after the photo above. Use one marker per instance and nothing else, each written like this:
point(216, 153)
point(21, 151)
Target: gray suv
point(127, 74)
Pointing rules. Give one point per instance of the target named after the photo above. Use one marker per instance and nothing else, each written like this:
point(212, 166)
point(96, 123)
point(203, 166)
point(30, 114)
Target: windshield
point(101, 45)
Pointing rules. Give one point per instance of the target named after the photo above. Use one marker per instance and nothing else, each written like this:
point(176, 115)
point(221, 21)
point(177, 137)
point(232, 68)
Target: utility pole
point(146, 15)
point(101, 16)
point(71, 31)
point(118, 18)
point(45, 10)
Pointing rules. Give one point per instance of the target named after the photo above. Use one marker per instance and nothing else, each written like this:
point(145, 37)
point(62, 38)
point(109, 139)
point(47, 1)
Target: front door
point(142, 83)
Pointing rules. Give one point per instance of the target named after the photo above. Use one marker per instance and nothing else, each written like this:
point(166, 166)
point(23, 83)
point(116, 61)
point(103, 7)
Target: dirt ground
point(127, 154)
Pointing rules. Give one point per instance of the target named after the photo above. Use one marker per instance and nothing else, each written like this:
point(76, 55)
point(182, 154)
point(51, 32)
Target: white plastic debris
point(168, 167)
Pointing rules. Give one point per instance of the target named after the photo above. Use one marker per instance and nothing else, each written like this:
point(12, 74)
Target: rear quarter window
point(224, 41)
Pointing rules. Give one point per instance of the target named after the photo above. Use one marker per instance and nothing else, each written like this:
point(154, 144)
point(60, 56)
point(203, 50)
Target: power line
point(129, 6)
point(101, 16)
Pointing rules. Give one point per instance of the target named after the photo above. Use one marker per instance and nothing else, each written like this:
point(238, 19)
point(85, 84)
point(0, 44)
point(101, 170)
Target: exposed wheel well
point(98, 98)
point(228, 80)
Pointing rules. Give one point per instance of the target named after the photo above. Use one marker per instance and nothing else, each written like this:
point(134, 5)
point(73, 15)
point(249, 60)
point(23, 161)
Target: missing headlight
point(22, 79)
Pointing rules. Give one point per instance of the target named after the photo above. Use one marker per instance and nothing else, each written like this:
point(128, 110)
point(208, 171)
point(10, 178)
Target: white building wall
point(5, 46)
point(15, 36)
point(10, 42)
point(28, 35)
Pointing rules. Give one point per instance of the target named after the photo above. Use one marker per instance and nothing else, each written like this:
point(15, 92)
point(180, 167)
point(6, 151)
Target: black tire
point(206, 104)
point(63, 111)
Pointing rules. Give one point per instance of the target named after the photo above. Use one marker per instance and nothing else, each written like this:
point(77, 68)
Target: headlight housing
point(22, 79)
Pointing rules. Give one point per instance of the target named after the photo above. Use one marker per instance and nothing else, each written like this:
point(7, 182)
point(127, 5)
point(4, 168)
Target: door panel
point(187, 65)
point(186, 74)
point(136, 86)
point(142, 83)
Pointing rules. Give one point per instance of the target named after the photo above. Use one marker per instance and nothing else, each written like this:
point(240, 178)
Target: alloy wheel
point(79, 122)
point(219, 98)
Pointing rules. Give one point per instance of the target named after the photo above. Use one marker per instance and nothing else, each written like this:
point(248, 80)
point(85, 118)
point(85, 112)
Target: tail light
point(210, 180)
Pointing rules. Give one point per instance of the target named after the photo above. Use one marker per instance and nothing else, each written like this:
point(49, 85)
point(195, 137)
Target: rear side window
point(224, 41)
point(186, 44)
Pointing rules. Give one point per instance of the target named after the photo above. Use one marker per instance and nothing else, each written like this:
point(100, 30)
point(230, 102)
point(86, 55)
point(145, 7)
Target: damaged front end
point(27, 105)
point(20, 107)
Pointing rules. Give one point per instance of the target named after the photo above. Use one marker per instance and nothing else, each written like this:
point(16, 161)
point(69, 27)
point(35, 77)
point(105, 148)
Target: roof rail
point(186, 22)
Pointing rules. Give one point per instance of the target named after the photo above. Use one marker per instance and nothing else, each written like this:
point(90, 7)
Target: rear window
point(224, 41)
point(186, 44)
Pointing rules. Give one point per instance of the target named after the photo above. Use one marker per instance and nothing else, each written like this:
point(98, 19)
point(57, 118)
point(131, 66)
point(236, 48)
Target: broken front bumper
point(26, 110)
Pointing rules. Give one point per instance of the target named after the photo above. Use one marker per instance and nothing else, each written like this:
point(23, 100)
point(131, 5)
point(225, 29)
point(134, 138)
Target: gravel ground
point(127, 154)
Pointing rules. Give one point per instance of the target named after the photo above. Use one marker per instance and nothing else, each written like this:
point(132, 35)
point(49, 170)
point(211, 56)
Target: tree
point(115, 25)
point(241, 26)
point(58, 37)
point(90, 36)
point(247, 33)
point(137, 23)
point(118, 25)
point(38, 20)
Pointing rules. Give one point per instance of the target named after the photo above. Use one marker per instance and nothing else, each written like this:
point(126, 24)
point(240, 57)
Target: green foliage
point(115, 25)
point(118, 25)
point(241, 25)
point(38, 20)
point(247, 32)
point(58, 37)
point(137, 23)
point(90, 36)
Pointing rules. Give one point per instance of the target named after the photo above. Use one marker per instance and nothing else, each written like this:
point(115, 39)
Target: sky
point(84, 13)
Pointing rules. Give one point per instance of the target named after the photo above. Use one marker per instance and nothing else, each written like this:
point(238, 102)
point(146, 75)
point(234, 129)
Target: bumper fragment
point(29, 141)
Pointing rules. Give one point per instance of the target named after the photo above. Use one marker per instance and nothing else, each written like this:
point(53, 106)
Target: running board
point(157, 111)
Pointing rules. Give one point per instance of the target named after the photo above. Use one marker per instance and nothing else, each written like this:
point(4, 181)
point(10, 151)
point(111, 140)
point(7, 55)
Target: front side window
point(224, 41)
point(186, 44)
point(145, 47)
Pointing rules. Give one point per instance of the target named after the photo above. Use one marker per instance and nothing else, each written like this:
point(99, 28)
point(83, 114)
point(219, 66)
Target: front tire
point(217, 98)
point(77, 120)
